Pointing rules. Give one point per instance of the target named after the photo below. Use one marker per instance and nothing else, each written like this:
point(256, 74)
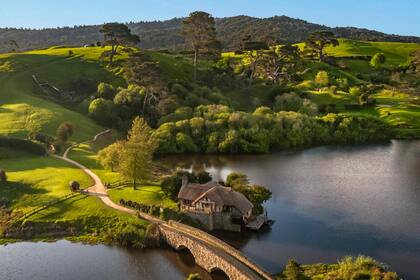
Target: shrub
point(293, 270)
point(106, 91)
point(74, 186)
point(308, 107)
point(288, 102)
point(355, 91)
point(378, 60)
point(322, 79)
point(101, 110)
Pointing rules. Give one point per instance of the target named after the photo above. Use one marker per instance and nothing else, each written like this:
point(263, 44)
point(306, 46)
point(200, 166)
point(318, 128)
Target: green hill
point(21, 101)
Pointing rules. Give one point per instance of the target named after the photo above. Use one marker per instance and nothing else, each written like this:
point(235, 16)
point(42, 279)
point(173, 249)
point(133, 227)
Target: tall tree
point(64, 131)
point(110, 157)
point(137, 156)
point(253, 51)
point(117, 35)
point(141, 70)
point(281, 65)
point(319, 40)
point(200, 32)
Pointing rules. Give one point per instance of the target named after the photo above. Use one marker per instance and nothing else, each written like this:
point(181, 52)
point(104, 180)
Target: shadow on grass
point(60, 209)
point(13, 191)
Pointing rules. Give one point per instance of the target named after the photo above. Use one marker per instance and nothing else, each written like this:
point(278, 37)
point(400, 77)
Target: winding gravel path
point(98, 189)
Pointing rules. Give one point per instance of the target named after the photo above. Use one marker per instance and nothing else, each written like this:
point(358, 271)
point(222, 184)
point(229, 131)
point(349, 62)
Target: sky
point(390, 16)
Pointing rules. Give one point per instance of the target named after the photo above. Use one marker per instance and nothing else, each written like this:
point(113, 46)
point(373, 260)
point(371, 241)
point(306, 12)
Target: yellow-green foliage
point(348, 268)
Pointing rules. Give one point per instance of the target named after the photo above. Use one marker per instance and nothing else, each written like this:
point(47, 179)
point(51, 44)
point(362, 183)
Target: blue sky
point(391, 16)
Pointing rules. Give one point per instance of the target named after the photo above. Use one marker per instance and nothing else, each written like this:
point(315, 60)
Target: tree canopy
point(116, 35)
point(200, 33)
point(319, 40)
point(137, 155)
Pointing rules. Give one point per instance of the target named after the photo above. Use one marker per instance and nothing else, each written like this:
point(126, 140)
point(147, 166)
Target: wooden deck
point(257, 223)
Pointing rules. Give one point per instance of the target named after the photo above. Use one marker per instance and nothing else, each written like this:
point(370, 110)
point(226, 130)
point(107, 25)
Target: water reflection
point(332, 201)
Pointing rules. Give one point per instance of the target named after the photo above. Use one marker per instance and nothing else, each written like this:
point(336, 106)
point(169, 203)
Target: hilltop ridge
point(164, 35)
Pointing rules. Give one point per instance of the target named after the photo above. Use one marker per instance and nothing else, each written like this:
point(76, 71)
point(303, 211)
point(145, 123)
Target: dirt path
point(98, 189)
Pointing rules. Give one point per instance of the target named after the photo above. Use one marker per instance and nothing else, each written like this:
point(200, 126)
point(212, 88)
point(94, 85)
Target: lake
point(332, 201)
point(327, 202)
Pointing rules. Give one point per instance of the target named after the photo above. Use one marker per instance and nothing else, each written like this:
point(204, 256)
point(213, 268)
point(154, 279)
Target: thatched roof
point(222, 196)
point(191, 191)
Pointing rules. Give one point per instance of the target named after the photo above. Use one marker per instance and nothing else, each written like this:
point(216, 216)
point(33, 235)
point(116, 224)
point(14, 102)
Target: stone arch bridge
point(211, 253)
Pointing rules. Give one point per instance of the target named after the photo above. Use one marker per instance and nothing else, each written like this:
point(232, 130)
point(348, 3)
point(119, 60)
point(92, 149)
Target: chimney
point(184, 180)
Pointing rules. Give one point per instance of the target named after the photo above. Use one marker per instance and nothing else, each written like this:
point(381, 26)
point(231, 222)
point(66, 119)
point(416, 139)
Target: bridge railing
point(208, 238)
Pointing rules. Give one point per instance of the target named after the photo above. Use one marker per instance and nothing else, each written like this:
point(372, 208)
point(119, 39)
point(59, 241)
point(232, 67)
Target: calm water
point(64, 260)
point(333, 201)
point(327, 202)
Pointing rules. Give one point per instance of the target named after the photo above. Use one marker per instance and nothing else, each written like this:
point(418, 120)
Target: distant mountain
point(165, 35)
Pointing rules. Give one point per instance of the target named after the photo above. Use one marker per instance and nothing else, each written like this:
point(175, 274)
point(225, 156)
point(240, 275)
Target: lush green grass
point(396, 53)
point(34, 181)
point(148, 195)
point(20, 102)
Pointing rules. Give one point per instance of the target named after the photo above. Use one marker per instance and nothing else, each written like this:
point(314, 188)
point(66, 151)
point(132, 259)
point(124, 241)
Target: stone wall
point(212, 221)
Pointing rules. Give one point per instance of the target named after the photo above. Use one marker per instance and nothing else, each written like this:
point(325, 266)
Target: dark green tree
point(64, 131)
point(200, 33)
point(141, 70)
point(3, 176)
point(319, 40)
point(117, 35)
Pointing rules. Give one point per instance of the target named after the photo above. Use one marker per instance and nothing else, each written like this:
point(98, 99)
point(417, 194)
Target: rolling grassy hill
point(396, 53)
point(21, 102)
point(37, 180)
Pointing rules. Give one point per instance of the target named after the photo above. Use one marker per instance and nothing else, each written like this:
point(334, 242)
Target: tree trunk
point(321, 53)
point(134, 174)
point(195, 63)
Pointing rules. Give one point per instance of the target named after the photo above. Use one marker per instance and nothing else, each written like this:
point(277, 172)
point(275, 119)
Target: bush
point(106, 91)
point(74, 186)
point(22, 145)
point(288, 102)
point(355, 91)
point(293, 270)
point(378, 60)
point(322, 79)
point(101, 110)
